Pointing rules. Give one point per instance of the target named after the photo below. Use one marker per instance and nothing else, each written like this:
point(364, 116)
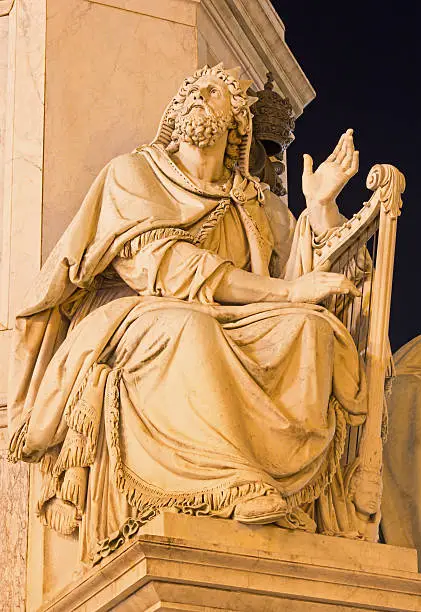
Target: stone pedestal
point(190, 564)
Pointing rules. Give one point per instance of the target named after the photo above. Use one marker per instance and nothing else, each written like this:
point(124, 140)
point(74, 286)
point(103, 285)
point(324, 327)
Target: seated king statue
point(174, 354)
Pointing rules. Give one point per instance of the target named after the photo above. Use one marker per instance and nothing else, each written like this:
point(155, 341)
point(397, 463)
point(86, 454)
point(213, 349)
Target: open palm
point(331, 176)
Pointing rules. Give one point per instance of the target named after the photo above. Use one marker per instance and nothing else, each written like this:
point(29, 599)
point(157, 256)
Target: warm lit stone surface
point(128, 66)
point(13, 530)
point(179, 11)
point(200, 564)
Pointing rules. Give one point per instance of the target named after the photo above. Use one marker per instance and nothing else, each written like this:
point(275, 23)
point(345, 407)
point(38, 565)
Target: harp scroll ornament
point(390, 184)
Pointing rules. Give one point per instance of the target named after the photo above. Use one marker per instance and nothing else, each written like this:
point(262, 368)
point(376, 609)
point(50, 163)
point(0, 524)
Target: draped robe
point(136, 391)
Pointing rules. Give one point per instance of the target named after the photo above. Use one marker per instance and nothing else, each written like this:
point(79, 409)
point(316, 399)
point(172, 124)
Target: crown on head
point(231, 77)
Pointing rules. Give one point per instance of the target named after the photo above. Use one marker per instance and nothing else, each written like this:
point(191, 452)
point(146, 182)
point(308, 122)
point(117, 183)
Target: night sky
point(364, 61)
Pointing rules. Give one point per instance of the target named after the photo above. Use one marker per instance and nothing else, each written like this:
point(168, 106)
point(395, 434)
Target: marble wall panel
point(179, 11)
point(109, 75)
point(4, 36)
point(13, 530)
point(23, 154)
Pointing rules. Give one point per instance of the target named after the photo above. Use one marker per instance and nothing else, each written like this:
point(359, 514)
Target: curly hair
point(241, 124)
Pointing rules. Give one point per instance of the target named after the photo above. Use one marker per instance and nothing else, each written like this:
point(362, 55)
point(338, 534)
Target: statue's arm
point(176, 268)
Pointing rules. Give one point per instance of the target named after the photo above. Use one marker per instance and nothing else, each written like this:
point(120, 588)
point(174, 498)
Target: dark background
point(364, 61)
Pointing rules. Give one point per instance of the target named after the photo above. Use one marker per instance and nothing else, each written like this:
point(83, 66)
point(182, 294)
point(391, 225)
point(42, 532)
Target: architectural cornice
point(256, 36)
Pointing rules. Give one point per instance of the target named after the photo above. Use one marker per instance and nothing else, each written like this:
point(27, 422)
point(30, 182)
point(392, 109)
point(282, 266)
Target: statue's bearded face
point(206, 113)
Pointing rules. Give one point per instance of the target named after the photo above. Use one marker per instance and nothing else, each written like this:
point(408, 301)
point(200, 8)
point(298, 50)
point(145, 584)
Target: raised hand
point(323, 185)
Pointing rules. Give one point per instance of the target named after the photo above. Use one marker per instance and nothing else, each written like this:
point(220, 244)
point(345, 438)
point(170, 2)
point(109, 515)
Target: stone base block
point(189, 564)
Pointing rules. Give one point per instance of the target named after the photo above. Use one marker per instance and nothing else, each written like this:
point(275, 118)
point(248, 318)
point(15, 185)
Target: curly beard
point(201, 130)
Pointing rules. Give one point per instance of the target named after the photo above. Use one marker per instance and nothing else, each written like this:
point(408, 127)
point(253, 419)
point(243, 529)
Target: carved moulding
point(5, 7)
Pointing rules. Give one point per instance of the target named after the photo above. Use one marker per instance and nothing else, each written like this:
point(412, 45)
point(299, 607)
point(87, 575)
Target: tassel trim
point(48, 461)
point(75, 452)
point(217, 502)
point(49, 489)
point(212, 221)
point(131, 248)
point(18, 442)
point(74, 487)
point(76, 397)
point(135, 245)
point(60, 516)
point(84, 419)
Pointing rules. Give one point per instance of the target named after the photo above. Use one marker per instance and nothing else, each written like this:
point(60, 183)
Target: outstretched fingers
point(344, 156)
point(353, 168)
point(348, 152)
point(332, 157)
point(307, 164)
point(343, 153)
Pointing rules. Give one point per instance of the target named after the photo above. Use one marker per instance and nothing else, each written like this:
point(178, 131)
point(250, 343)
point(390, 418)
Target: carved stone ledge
point(179, 562)
point(5, 7)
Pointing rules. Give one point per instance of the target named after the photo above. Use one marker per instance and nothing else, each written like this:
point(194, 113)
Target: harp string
point(357, 263)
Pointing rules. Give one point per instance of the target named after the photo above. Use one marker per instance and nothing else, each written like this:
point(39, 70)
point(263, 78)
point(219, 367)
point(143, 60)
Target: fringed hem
point(48, 461)
point(212, 221)
point(75, 398)
point(83, 412)
point(134, 245)
point(60, 516)
point(74, 488)
point(49, 489)
point(218, 500)
point(17, 442)
point(83, 419)
point(76, 452)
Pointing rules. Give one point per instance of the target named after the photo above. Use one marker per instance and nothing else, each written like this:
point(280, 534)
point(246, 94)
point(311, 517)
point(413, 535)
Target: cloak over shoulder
point(138, 194)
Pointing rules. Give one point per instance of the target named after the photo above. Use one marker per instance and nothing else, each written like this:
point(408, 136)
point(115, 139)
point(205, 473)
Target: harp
point(363, 248)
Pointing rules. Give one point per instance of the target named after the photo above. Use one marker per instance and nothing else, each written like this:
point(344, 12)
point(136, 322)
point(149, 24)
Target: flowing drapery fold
point(136, 391)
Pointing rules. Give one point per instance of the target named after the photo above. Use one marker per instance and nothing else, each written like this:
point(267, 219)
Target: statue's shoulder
point(128, 161)
point(130, 170)
point(278, 211)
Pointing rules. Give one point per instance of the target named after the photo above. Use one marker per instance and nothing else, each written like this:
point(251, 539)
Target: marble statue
point(401, 505)
point(173, 352)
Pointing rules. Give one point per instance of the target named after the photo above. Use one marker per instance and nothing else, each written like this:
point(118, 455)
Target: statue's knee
point(201, 322)
point(317, 324)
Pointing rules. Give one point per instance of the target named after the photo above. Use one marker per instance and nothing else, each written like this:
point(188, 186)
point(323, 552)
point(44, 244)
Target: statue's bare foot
point(261, 510)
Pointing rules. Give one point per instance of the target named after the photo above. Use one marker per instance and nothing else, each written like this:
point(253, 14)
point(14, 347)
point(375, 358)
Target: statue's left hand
point(323, 185)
